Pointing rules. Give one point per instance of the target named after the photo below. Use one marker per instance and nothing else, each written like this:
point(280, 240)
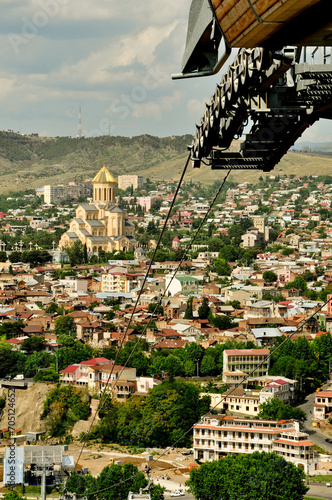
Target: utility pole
point(43, 482)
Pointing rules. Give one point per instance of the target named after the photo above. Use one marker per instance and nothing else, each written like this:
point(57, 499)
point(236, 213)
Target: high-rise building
point(54, 194)
point(125, 181)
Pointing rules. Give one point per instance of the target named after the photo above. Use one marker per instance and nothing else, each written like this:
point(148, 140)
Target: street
point(320, 491)
point(316, 436)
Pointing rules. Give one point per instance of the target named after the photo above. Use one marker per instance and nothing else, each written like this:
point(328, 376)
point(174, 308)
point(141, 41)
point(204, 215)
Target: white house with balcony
point(240, 362)
point(216, 436)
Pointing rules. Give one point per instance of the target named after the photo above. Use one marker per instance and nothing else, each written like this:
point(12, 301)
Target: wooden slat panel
point(255, 35)
point(240, 26)
point(224, 7)
point(239, 10)
point(216, 3)
point(237, 18)
point(287, 10)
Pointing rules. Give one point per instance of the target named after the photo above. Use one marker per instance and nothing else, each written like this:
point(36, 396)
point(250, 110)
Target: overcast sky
point(113, 58)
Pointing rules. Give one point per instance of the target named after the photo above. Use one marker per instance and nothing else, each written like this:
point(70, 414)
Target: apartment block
point(216, 436)
point(126, 181)
point(238, 363)
point(54, 194)
point(120, 282)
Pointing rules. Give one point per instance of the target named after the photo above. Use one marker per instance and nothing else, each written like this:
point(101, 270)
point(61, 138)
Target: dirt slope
point(28, 408)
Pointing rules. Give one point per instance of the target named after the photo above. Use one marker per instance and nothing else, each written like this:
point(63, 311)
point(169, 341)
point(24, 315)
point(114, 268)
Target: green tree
point(3, 256)
point(33, 344)
point(221, 322)
point(204, 309)
point(75, 253)
point(8, 360)
point(221, 267)
point(229, 253)
point(208, 365)
point(189, 368)
point(155, 308)
point(189, 309)
point(12, 329)
point(298, 283)
point(13, 495)
point(64, 325)
point(275, 409)
point(64, 406)
point(269, 276)
point(173, 366)
point(256, 476)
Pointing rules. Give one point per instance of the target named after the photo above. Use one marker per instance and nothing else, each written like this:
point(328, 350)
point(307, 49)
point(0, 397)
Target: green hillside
point(28, 161)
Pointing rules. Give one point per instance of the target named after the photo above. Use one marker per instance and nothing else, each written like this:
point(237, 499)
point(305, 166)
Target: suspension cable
point(139, 337)
point(222, 399)
point(135, 306)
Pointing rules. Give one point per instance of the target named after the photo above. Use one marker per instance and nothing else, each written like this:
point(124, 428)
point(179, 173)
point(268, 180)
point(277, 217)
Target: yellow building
point(102, 224)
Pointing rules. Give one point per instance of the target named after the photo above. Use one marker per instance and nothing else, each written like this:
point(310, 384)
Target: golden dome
point(103, 176)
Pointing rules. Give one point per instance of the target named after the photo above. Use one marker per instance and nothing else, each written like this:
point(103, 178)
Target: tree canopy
point(256, 476)
point(275, 409)
point(113, 483)
point(159, 419)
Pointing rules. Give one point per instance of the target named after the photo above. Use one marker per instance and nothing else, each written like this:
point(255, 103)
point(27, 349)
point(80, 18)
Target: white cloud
point(196, 109)
point(155, 109)
point(7, 86)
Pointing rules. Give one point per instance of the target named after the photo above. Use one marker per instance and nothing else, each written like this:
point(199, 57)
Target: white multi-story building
point(120, 282)
point(240, 362)
point(216, 436)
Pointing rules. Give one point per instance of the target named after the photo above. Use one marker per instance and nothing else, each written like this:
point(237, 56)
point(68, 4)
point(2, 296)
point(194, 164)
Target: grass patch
point(321, 479)
point(312, 498)
point(33, 490)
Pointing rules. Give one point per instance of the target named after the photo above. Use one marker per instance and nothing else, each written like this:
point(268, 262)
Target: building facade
point(126, 181)
point(102, 224)
point(120, 282)
point(323, 405)
point(216, 436)
point(238, 363)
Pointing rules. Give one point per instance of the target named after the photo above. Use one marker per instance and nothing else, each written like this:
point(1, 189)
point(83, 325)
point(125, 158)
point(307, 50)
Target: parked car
point(328, 440)
point(177, 493)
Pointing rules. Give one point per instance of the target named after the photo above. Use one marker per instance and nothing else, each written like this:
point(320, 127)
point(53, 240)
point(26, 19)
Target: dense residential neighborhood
point(235, 324)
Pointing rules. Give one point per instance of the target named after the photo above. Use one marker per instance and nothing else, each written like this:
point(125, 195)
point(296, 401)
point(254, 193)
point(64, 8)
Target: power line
point(222, 399)
point(179, 265)
point(173, 276)
point(135, 306)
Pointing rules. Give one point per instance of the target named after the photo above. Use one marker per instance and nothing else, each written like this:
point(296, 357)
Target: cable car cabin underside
point(280, 79)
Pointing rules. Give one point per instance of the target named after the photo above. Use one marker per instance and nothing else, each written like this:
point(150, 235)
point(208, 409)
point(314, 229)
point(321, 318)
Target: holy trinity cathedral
point(101, 224)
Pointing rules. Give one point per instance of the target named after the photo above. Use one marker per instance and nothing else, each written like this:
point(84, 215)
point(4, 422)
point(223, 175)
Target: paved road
point(316, 436)
point(320, 491)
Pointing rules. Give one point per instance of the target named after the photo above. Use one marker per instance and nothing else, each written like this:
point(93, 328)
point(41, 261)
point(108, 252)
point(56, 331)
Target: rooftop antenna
point(79, 131)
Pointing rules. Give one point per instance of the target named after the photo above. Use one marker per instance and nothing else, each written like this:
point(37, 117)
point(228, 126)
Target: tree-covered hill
point(36, 161)
point(32, 161)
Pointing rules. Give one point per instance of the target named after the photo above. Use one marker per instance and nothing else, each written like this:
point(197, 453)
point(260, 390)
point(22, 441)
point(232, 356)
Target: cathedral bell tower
point(104, 186)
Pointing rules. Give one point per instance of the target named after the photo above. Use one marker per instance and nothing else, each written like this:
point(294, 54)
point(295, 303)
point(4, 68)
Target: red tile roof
point(94, 361)
point(248, 352)
point(70, 369)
